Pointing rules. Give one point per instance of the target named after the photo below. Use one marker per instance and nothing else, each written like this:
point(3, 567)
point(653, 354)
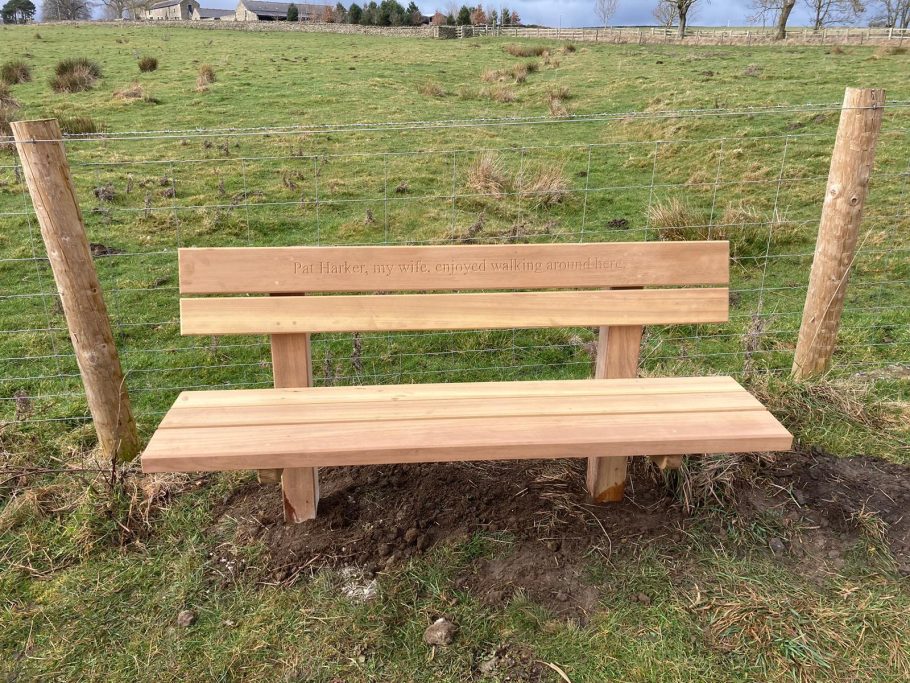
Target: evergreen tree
point(355, 14)
point(293, 12)
point(341, 14)
point(18, 12)
point(370, 14)
point(464, 16)
point(414, 15)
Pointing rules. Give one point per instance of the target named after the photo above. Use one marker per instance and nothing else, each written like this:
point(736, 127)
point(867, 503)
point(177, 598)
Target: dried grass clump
point(714, 479)
point(753, 71)
point(15, 71)
point(556, 97)
point(491, 75)
point(519, 73)
point(559, 91)
point(568, 48)
point(134, 92)
point(147, 64)
point(546, 187)
point(676, 220)
point(747, 228)
point(80, 125)
point(7, 101)
point(467, 92)
point(205, 78)
point(557, 107)
point(432, 89)
point(488, 177)
point(524, 50)
point(7, 115)
point(9, 108)
point(820, 401)
point(890, 51)
point(76, 74)
point(501, 93)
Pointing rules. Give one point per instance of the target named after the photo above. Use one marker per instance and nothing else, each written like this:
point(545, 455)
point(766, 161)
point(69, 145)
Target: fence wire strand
point(614, 177)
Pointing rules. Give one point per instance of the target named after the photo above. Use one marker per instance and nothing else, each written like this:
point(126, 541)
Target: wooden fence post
point(50, 184)
point(842, 213)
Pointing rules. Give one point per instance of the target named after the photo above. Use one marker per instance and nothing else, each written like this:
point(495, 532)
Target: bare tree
point(605, 10)
point(114, 9)
point(684, 8)
point(680, 10)
point(66, 10)
point(665, 13)
point(778, 10)
point(892, 13)
point(831, 12)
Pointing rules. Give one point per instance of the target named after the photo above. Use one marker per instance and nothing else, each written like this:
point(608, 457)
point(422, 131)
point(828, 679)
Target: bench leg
point(292, 367)
point(606, 480)
point(300, 490)
point(667, 462)
point(269, 476)
point(618, 349)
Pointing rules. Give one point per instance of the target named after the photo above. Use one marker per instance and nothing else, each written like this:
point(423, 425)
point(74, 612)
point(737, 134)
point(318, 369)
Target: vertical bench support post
point(618, 350)
point(292, 367)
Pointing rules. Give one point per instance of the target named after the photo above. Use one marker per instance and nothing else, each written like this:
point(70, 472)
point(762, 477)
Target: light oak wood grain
point(295, 314)
point(447, 439)
point(555, 389)
point(618, 350)
point(241, 270)
point(292, 367)
point(310, 412)
point(53, 193)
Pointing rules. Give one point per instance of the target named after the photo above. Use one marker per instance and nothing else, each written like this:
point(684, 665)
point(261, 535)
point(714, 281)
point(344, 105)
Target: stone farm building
point(255, 10)
point(172, 10)
point(209, 14)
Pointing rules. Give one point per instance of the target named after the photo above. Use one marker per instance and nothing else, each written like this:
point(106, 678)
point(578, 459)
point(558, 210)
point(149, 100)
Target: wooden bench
point(295, 428)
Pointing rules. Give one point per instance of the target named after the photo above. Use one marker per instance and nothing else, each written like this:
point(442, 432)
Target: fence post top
point(23, 129)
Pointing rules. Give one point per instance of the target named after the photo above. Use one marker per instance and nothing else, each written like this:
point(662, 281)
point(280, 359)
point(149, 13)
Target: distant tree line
point(393, 13)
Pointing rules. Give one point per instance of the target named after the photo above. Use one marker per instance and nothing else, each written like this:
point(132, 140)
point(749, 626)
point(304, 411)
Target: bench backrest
point(594, 284)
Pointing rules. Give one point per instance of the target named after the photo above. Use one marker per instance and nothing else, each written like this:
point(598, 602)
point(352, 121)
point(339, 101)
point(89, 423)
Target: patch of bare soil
point(376, 518)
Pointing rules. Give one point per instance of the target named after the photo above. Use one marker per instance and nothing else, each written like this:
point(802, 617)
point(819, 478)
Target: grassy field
point(94, 567)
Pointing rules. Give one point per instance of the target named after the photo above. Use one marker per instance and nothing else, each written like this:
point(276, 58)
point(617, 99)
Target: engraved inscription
point(458, 268)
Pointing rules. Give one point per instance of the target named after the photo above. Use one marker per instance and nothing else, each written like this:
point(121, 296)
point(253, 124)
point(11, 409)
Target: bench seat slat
point(498, 390)
point(302, 413)
point(658, 428)
point(295, 314)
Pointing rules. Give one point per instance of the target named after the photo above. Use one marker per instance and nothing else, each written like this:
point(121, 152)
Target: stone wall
point(641, 36)
point(301, 27)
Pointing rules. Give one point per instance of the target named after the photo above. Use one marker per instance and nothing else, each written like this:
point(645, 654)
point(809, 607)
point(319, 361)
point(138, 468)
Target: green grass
point(82, 599)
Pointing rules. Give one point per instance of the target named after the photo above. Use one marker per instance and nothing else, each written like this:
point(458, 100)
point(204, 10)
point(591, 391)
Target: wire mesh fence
point(755, 177)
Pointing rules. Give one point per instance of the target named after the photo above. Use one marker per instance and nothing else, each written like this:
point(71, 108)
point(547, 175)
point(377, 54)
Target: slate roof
point(166, 3)
point(211, 13)
point(280, 9)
